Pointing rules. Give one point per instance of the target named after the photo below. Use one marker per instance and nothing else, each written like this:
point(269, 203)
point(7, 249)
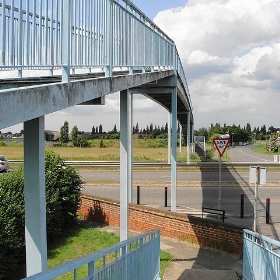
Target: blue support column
point(174, 151)
point(130, 145)
point(169, 137)
point(192, 137)
point(35, 197)
point(125, 153)
point(188, 137)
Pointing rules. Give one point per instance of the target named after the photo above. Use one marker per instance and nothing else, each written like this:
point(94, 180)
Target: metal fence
point(66, 37)
point(261, 257)
point(137, 258)
point(101, 33)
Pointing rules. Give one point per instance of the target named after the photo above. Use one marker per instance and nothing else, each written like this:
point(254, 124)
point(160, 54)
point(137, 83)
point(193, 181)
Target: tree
point(115, 129)
point(100, 128)
point(151, 127)
point(202, 132)
point(154, 133)
point(82, 141)
point(147, 130)
point(166, 128)
point(93, 130)
point(74, 135)
point(137, 128)
point(64, 133)
point(248, 128)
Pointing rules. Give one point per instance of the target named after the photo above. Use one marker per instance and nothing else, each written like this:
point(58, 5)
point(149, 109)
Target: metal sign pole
point(256, 199)
point(220, 183)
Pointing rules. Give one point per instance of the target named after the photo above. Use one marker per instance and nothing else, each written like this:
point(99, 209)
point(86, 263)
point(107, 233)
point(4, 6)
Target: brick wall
point(203, 232)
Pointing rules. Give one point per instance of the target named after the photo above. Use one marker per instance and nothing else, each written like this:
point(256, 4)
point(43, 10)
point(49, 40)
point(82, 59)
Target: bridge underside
point(42, 96)
point(160, 91)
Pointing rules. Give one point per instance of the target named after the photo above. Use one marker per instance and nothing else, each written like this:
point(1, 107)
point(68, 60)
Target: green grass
point(260, 149)
point(143, 151)
point(165, 261)
point(83, 240)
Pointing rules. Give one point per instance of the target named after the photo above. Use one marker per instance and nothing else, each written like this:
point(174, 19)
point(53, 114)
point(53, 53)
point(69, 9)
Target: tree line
point(236, 133)
point(242, 134)
point(80, 138)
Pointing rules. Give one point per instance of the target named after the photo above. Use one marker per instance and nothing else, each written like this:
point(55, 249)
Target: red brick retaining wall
point(194, 230)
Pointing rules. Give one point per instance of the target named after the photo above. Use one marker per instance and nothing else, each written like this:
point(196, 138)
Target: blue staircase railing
point(261, 257)
point(137, 258)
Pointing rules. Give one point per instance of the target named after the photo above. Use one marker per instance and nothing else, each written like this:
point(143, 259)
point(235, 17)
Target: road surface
point(197, 188)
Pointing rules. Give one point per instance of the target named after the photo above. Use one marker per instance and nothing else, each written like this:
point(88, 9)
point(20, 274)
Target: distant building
point(51, 135)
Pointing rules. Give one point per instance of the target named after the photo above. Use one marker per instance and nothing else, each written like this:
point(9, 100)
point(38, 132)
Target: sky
point(230, 51)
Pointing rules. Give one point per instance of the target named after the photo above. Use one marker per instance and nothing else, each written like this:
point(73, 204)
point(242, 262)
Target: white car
point(4, 164)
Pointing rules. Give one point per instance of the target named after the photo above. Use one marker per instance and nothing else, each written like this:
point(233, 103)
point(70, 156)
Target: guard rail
point(165, 164)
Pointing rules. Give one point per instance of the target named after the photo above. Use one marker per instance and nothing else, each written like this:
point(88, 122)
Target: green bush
point(12, 222)
point(63, 189)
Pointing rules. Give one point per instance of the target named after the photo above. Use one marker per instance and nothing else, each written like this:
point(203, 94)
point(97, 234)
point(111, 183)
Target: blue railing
point(137, 258)
point(66, 37)
point(261, 257)
point(101, 33)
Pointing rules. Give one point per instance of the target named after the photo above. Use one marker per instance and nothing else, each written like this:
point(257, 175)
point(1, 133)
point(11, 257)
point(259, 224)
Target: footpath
point(195, 263)
point(192, 263)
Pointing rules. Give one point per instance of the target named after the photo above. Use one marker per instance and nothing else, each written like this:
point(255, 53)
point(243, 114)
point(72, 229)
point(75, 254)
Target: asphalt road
point(182, 176)
point(197, 188)
point(245, 154)
point(237, 154)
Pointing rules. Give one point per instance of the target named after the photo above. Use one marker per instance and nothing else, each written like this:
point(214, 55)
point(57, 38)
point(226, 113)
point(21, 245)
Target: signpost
point(221, 145)
point(257, 176)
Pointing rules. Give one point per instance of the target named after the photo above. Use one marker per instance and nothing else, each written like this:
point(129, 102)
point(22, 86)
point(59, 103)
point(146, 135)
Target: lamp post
point(232, 139)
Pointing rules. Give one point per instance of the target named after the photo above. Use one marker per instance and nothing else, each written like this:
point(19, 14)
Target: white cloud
point(230, 52)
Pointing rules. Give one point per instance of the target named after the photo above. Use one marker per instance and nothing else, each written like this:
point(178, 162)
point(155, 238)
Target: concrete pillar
point(35, 196)
point(125, 160)
point(169, 137)
point(174, 151)
point(188, 136)
point(130, 145)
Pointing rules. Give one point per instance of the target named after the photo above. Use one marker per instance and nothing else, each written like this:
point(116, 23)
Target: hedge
point(63, 189)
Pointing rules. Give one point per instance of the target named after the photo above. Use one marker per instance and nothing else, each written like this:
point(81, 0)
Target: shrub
point(63, 189)
point(101, 144)
point(12, 222)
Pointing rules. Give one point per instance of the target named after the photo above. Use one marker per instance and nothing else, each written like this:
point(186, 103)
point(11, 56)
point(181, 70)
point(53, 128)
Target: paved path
point(194, 263)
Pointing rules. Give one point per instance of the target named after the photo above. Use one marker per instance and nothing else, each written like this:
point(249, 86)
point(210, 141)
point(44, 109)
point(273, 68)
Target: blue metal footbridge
point(58, 54)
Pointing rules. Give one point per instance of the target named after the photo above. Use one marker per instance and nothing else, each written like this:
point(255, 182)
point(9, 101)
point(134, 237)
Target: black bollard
point(138, 195)
point(165, 197)
point(267, 210)
point(242, 205)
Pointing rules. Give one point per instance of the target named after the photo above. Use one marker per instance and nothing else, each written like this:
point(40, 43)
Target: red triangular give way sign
point(221, 145)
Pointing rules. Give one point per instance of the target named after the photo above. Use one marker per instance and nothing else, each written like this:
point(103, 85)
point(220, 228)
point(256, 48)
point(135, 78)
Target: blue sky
point(152, 7)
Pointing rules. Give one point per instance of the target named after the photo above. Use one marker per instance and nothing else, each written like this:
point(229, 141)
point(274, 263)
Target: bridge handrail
point(29, 46)
point(82, 37)
point(261, 256)
point(137, 258)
